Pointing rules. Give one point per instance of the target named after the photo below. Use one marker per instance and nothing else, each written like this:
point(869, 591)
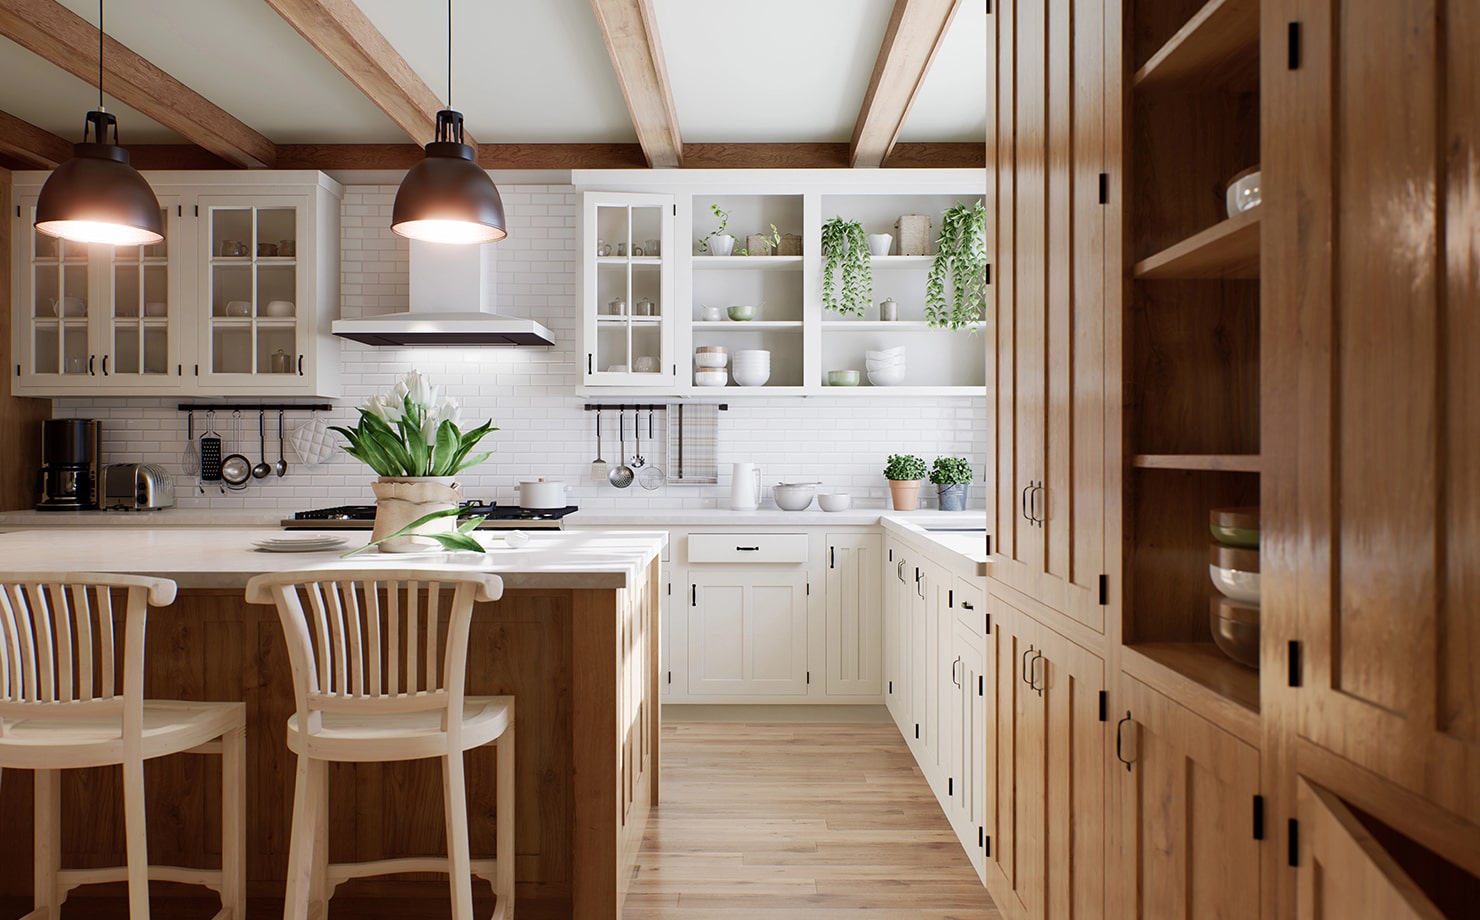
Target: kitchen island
point(574, 638)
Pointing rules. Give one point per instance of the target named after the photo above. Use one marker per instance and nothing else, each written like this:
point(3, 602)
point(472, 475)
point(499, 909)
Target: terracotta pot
point(399, 500)
point(905, 493)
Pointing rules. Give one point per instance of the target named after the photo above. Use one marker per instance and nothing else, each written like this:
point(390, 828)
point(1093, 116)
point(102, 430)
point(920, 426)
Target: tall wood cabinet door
point(1344, 872)
point(1051, 364)
point(854, 628)
point(747, 631)
point(1379, 271)
point(1187, 820)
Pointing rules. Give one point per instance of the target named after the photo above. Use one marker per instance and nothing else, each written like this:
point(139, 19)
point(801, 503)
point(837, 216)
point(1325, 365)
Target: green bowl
point(741, 314)
point(842, 378)
point(1235, 536)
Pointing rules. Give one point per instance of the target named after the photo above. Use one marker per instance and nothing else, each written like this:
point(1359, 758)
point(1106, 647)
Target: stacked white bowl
point(885, 368)
point(709, 365)
point(751, 367)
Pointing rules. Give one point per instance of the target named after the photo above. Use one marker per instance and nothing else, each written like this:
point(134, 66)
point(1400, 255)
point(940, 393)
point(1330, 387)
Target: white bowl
point(834, 501)
point(884, 362)
point(794, 496)
point(886, 352)
point(710, 359)
point(239, 308)
point(892, 377)
point(1243, 192)
point(709, 378)
point(69, 306)
point(1241, 586)
point(156, 308)
point(879, 243)
point(280, 308)
point(750, 377)
point(751, 362)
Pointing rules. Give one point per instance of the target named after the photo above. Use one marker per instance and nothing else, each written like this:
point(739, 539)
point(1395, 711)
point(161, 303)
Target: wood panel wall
point(20, 419)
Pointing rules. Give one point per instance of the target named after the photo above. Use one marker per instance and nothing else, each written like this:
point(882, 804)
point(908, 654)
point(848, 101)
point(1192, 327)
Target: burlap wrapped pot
point(399, 500)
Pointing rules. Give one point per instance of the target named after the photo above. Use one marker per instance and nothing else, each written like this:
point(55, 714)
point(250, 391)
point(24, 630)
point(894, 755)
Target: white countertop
point(169, 517)
point(225, 557)
point(767, 517)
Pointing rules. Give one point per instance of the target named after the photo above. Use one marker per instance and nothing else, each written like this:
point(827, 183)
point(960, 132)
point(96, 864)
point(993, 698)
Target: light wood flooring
point(796, 821)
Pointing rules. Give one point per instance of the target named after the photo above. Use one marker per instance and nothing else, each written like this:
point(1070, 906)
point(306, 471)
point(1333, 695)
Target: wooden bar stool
point(373, 684)
point(61, 709)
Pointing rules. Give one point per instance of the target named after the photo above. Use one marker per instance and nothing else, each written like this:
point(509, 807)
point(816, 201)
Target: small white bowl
point(156, 308)
point(890, 377)
point(834, 501)
point(709, 378)
point(280, 308)
point(750, 377)
point(239, 308)
point(710, 359)
point(1243, 192)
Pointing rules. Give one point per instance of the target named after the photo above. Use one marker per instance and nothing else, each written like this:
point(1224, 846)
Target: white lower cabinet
point(747, 631)
point(965, 732)
point(854, 622)
point(895, 596)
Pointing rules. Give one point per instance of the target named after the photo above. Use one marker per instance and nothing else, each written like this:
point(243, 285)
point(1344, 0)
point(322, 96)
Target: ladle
point(621, 475)
point(263, 469)
point(281, 466)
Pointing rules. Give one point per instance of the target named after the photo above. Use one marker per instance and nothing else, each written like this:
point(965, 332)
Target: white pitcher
point(745, 487)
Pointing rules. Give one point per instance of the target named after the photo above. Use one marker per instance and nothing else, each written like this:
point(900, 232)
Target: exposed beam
point(765, 156)
point(349, 40)
point(631, 36)
point(490, 156)
point(37, 146)
point(54, 32)
point(916, 28)
point(937, 156)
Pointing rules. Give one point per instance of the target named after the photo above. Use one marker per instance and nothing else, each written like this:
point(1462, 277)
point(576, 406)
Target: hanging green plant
point(961, 260)
point(845, 261)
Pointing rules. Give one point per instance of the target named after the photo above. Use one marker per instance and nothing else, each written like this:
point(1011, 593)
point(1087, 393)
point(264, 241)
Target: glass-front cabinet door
point(96, 317)
point(627, 289)
point(252, 333)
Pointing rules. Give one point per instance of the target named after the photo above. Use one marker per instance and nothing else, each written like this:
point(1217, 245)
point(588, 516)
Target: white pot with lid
point(542, 493)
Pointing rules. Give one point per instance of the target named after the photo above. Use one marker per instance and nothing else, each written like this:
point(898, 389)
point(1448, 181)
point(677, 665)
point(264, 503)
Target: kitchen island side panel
point(581, 665)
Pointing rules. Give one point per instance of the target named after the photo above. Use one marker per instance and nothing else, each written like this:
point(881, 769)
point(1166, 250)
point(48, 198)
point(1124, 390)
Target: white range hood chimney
point(452, 288)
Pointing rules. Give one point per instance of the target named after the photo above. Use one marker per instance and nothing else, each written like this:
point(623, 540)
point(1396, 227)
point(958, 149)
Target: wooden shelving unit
point(1202, 678)
point(1232, 463)
point(1215, 46)
point(1228, 249)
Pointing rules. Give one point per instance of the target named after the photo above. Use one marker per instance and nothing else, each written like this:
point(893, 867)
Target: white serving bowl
point(710, 359)
point(750, 377)
point(710, 378)
point(794, 496)
point(239, 308)
point(897, 350)
point(281, 308)
point(891, 377)
point(834, 501)
point(156, 308)
point(1243, 192)
point(884, 362)
point(746, 354)
point(1234, 571)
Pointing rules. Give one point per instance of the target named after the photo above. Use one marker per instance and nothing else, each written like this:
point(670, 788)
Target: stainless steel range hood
point(452, 296)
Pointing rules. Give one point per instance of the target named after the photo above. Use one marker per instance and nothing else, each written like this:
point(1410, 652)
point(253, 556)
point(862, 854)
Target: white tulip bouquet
point(412, 432)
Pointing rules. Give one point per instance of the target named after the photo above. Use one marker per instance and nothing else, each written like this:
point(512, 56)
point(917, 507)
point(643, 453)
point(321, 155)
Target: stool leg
point(318, 890)
point(503, 833)
point(454, 795)
point(301, 845)
point(136, 839)
point(233, 822)
point(48, 837)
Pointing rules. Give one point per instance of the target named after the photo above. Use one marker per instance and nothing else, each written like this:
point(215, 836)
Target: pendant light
point(97, 197)
point(448, 197)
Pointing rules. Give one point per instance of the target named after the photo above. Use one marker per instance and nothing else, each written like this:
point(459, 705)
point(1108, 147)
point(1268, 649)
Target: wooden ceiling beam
point(48, 29)
point(631, 35)
point(37, 147)
point(916, 28)
point(347, 38)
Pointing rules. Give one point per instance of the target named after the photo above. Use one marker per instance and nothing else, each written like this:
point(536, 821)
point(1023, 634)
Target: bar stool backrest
point(58, 652)
point(371, 641)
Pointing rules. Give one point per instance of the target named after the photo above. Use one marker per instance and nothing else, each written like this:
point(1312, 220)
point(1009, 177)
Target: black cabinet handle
point(1033, 673)
point(300, 365)
point(966, 605)
point(954, 665)
point(90, 371)
point(1118, 726)
point(748, 549)
point(105, 365)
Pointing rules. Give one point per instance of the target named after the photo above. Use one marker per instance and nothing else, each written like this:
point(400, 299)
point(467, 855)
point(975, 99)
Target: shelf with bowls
point(747, 263)
point(732, 326)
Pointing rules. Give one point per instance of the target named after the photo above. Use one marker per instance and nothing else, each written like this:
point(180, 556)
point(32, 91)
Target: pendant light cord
point(449, 52)
point(100, 56)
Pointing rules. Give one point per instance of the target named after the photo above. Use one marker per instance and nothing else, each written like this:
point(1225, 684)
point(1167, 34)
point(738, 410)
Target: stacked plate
point(304, 543)
point(885, 368)
point(751, 368)
point(1233, 565)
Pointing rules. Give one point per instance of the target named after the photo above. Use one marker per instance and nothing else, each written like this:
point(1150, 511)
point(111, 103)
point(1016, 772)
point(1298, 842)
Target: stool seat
point(169, 727)
point(375, 737)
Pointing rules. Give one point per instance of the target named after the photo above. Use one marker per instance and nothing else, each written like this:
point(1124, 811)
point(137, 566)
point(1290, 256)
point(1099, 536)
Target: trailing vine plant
point(847, 279)
point(961, 260)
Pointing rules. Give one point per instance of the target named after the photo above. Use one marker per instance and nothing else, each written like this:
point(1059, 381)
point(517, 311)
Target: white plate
point(278, 545)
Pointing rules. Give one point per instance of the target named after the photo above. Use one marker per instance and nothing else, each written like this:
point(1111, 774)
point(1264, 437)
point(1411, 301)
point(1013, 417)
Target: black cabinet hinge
point(981, 687)
point(989, 272)
point(950, 785)
point(1258, 817)
point(1104, 188)
point(989, 624)
point(917, 731)
point(981, 836)
point(809, 677)
point(1104, 704)
point(989, 844)
point(891, 555)
point(1293, 666)
point(1293, 42)
point(891, 688)
point(670, 677)
point(197, 210)
point(1104, 590)
point(693, 595)
point(951, 598)
point(670, 589)
point(1294, 844)
point(832, 557)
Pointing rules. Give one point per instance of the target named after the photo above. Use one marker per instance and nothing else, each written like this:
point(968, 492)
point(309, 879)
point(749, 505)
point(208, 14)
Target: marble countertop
point(224, 557)
point(965, 538)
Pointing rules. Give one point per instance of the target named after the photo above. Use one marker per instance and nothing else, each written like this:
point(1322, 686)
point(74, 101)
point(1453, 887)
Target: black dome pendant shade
point(448, 197)
point(97, 197)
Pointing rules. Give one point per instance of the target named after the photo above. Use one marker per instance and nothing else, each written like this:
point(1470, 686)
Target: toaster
point(137, 487)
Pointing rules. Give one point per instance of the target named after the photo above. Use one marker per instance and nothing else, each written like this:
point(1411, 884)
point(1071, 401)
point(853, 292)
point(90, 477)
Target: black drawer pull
point(748, 549)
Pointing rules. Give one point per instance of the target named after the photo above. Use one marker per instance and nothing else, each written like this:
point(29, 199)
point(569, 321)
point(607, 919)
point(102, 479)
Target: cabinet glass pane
point(276, 227)
point(126, 289)
point(613, 349)
point(231, 233)
point(231, 349)
point(647, 227)
point(156, 354)
point(612, 236)
point(126, 348)
point(276, 284)
point(156, 297)
point(46, 345)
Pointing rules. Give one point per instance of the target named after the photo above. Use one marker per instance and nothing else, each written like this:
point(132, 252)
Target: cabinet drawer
point(747, 547)
point(969, 600)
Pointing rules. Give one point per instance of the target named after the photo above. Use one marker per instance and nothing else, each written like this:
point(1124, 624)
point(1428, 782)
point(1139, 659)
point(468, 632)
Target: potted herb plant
point(412, 440)
point(952, 478)
point(718, 242)
point(904, 472)
point(961, 260)
point(847, 279)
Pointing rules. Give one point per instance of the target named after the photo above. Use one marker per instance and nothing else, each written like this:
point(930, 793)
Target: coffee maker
point(70, 451)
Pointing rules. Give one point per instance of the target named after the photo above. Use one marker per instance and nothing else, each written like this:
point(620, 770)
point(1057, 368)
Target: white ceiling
point(524, 71)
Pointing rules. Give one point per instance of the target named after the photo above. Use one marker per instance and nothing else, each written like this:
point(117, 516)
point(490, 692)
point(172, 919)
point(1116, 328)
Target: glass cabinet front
point(136, 327)
point(627, 288)
point(251, 288)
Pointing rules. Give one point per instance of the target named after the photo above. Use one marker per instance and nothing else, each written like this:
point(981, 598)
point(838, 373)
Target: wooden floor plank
point(792, 821)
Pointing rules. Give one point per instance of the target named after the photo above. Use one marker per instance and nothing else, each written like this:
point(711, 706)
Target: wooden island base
point(582, 665)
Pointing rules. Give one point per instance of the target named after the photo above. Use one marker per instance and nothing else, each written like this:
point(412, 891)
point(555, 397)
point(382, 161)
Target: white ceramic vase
point(721, 245)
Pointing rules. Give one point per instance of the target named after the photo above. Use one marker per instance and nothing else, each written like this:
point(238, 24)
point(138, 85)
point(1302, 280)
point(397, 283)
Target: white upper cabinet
point(627, 302)
point(237, 299)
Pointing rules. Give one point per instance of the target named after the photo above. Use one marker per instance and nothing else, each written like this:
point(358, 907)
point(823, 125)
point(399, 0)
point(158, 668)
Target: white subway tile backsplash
point(544, 430)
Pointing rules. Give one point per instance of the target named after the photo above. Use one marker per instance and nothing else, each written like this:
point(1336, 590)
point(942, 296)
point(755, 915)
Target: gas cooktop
point(361, 517)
